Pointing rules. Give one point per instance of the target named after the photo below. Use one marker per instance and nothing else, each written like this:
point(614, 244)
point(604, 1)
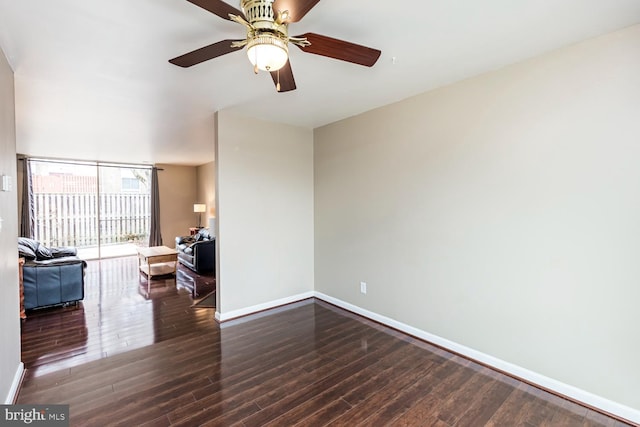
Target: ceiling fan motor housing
point(261, 15)
point(264, 21)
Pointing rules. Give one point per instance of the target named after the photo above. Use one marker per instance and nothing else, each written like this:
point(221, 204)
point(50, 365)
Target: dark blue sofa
point(51, 276)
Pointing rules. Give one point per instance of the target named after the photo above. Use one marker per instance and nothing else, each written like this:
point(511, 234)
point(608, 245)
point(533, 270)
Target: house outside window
point(130, 184)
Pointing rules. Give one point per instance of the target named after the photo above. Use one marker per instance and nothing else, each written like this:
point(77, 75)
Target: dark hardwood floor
point(134, 355)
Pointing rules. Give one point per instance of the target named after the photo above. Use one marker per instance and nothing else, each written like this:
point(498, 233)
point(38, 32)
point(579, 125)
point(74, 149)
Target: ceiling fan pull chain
point(278, 84)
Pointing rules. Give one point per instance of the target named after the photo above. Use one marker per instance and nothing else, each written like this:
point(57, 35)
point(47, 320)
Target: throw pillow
point(30, 243)
point(43, 252)
point(186, 239)
point(63, 251)
point(26, 252)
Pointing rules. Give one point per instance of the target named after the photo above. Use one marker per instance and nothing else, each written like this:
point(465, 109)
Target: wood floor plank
point(523, 408)
point(383, 379)
point(363, 409)
point(401, 402)
point(482, 408)
point(303, 388)
point(162, 421)
point(360, 380)
point(219, 417)
point(155, 400)
point(447, 379)
point(326, 414)
point(125, 357)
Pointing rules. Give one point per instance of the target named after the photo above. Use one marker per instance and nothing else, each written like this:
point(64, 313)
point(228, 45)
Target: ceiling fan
point(268, 39)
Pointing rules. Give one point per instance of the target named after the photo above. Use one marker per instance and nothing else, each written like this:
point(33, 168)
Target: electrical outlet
point(363, 287)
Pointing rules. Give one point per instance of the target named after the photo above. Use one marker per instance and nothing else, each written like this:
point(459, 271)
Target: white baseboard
point(572, 392)
point(15, 385)
point(223, 317)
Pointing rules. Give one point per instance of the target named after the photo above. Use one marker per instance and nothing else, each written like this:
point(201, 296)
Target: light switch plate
point(6, 183)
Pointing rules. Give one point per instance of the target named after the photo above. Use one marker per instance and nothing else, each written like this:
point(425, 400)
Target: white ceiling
point(93, 81)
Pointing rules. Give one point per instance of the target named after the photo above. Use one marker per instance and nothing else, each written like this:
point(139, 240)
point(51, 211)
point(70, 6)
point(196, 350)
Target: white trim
point(580, 395)
point(15, 385)
point(223, 317)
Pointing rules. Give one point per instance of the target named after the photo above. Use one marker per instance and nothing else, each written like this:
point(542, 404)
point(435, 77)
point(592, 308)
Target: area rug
point(208, 301)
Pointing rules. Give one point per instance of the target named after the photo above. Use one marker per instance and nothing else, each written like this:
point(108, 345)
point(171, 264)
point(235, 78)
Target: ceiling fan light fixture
point(268, 52)
point(267, 25)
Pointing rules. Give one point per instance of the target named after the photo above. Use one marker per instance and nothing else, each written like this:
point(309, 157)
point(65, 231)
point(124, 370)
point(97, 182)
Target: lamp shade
point(199, 207)
point(268, 52)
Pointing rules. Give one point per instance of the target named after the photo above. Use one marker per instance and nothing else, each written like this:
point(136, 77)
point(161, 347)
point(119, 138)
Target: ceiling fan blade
point(340, 49)
point(297, 8)
point(217, 7)
point(205, 53)
point(287, 82)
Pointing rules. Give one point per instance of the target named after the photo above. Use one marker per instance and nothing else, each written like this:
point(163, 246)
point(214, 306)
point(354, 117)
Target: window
point(98, 208)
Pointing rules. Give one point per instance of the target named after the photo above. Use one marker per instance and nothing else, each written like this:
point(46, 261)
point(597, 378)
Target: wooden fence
point(65, 219)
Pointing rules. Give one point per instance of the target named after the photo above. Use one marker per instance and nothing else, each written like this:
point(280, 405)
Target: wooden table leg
point(23, 314)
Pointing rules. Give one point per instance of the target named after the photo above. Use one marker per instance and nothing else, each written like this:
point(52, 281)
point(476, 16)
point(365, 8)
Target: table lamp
point(199, 208)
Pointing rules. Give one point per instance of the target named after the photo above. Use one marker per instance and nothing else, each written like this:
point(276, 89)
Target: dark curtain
point(26, 218)
point(155, 238)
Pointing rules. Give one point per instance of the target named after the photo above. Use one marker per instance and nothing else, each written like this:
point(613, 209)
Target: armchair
point(197, 252)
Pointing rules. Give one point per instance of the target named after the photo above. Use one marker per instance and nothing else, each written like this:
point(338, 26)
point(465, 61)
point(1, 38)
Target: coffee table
point(157, 261)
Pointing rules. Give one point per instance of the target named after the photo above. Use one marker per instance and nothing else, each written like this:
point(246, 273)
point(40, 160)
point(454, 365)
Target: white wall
point(10, 366)
point(501, 213)
point(264, 212)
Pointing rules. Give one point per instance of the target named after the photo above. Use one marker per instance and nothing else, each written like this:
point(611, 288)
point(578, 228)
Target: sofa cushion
point(188, 250)
point(56, 261)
